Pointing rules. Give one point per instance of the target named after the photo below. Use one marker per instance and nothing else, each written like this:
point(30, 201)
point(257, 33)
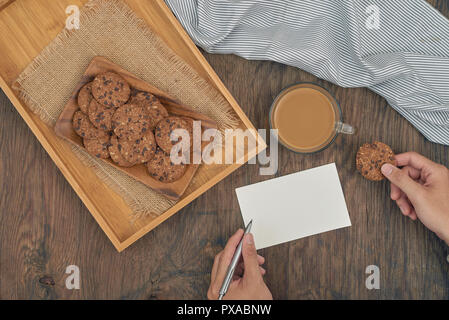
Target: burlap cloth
point(111, 29)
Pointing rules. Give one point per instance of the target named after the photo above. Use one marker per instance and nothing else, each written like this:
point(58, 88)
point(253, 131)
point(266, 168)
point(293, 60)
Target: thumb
point(401, 179)
point(251, 264)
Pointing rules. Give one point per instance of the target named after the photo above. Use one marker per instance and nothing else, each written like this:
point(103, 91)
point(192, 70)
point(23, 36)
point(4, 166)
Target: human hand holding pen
point(421, 191)
point(247, 283)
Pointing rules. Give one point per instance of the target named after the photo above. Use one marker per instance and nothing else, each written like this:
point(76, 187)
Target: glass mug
point(308, 118)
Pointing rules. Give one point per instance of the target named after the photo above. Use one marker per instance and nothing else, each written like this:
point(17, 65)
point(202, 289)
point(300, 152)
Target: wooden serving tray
point(26, 28)
point(64, 127)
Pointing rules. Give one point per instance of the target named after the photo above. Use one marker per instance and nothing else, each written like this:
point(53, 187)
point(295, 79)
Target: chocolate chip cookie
point(154, 107)
point(163, 169)
point(84, 128)
point(100, 116)
point(164, 129)
point(189, 122)
point(116, 155)
point(85, 97)
point(370, 159)
point(138, 150)
point(110, 89)
point(98, 147)
point(130, 121)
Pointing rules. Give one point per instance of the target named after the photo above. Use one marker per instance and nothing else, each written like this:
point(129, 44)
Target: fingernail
point(249, 239)
point(387, 169)
point(403, 210)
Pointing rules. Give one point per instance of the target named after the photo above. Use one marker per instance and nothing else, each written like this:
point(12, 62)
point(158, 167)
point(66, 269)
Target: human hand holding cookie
point(421, 190)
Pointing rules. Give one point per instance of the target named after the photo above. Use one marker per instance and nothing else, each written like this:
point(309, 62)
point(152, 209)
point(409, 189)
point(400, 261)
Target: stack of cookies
point(130, 127)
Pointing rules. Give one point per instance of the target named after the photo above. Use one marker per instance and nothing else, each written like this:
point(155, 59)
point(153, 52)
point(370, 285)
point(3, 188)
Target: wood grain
point(45, 226)
point(26, 28)
point(5, 3)
point(64, 126)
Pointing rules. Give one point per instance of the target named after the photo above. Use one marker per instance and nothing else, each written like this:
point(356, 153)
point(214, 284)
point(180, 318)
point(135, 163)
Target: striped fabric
point(397, 48)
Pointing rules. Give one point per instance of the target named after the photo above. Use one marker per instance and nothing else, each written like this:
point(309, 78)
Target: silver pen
point(234, 261)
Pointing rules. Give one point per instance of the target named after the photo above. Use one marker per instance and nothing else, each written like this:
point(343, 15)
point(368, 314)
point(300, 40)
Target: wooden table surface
point(44, 227)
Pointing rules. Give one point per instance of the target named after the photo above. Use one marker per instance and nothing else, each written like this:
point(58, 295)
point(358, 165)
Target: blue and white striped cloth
point(397, 48)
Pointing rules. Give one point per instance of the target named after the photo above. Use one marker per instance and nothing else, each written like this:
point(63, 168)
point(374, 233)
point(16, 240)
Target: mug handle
point(345, 128)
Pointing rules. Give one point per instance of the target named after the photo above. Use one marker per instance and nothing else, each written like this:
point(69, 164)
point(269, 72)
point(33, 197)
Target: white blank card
point(294, 206)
